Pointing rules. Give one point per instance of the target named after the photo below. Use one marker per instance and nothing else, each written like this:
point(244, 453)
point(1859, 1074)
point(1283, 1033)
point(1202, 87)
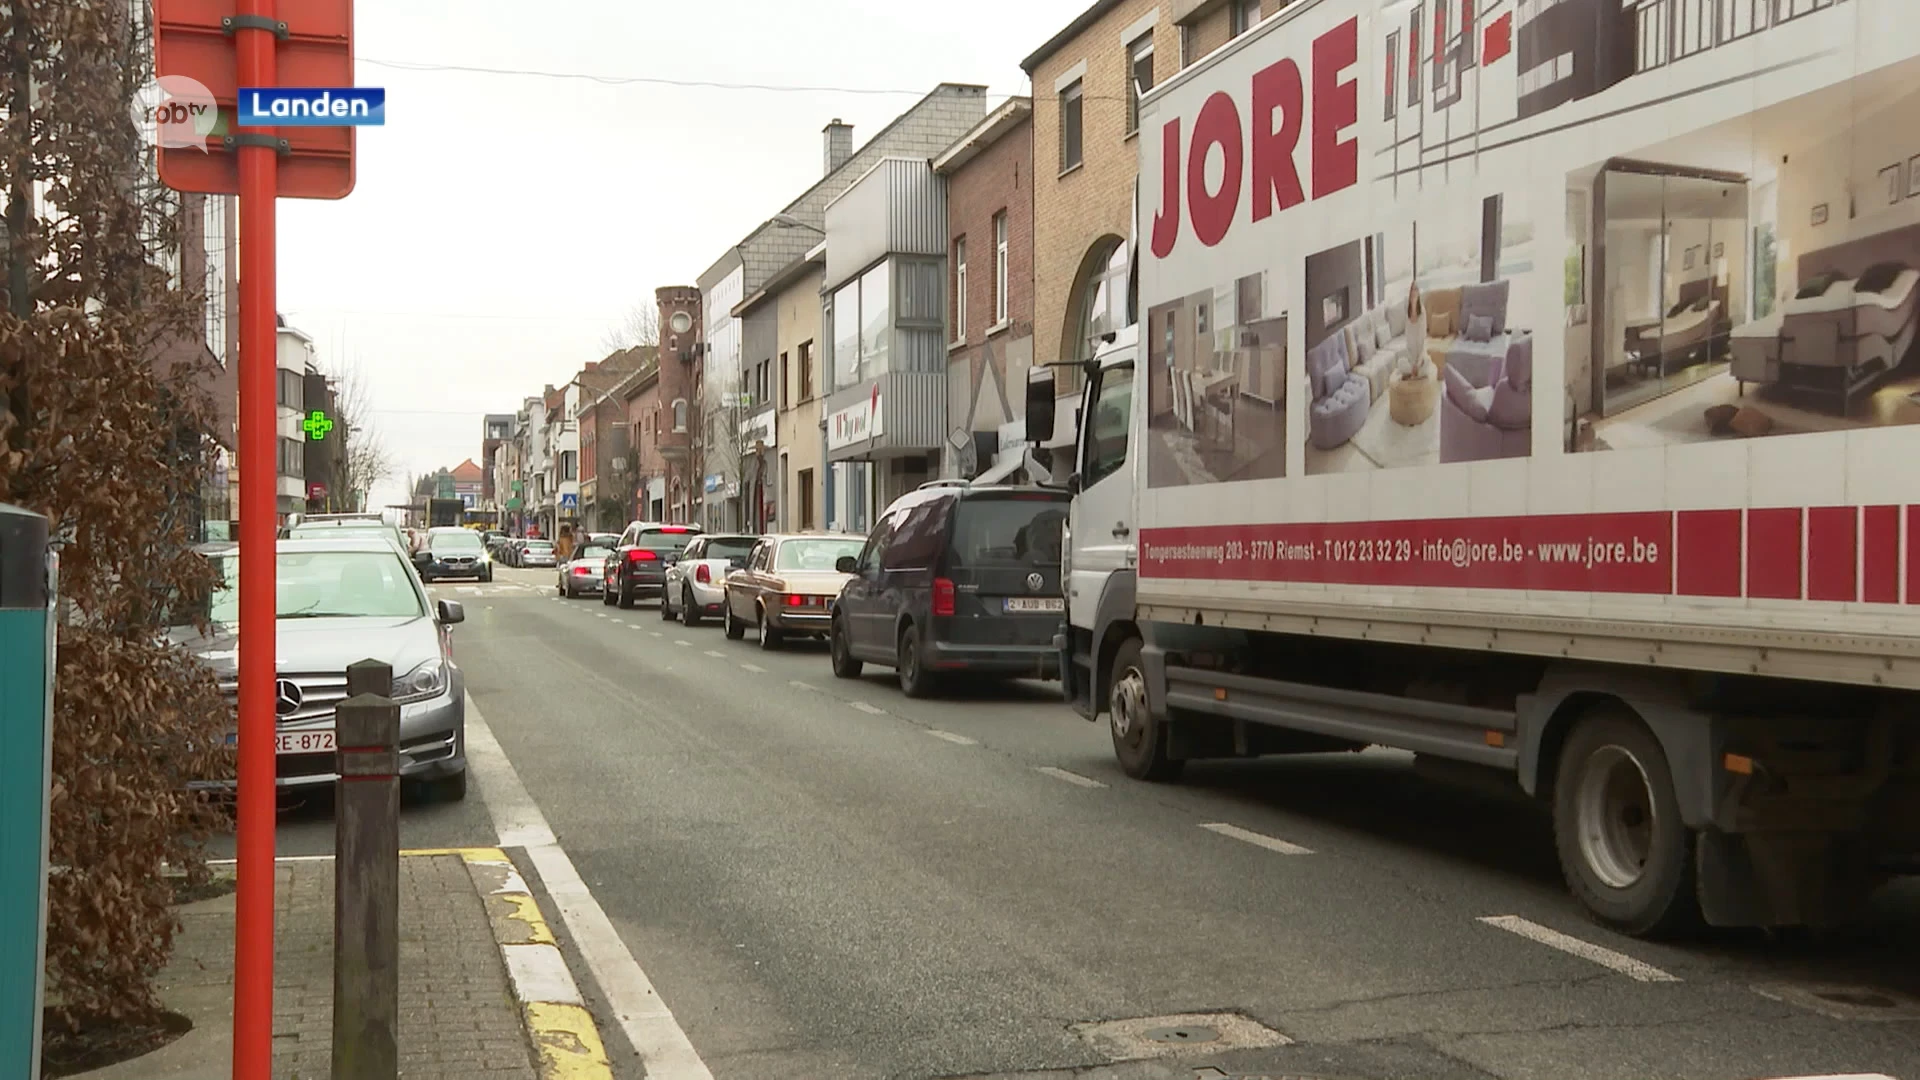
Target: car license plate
point(1035, 603)
point(319, 741)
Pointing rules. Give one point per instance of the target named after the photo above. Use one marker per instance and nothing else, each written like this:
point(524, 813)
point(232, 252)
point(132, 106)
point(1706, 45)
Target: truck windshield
point(1012, 530)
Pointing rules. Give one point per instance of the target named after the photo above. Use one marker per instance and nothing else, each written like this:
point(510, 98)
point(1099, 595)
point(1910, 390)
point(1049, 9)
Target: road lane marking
point(798, 685)
point(664, 1049)
point(1070, 777)
point(682, 641)
point(1262, 840)
point(755, 668)
point(1585, 950)
point(957, 740)
point(872, 710)
point(598, 614)
point(655, 633)
point(716, 652)
point(622, 622)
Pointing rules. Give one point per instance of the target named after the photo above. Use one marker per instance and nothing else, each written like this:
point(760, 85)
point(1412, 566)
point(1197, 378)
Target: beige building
point(794, 292)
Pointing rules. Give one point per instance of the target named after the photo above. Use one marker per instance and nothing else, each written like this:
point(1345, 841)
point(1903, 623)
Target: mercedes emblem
point(286, 697)
point(1035, 582)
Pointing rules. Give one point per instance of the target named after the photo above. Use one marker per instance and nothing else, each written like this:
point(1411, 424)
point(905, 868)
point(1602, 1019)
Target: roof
point(782, 279)
point(1080, 25)
point(467, 470)
point(1008, 117)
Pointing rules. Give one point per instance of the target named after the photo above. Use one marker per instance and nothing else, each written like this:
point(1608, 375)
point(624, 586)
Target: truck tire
point(1139, 740)
point(1623, 849)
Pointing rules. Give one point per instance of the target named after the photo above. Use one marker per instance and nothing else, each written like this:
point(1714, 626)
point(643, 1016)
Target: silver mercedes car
point(340, 601)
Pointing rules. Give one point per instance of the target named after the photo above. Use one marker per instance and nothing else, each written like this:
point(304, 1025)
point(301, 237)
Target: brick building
point(989, 179)
point(606, 460)
point(682, 367)
point(639, 395)
point(1205, 25)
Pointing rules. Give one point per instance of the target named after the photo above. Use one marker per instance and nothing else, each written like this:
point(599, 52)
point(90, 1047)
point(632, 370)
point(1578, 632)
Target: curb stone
point(564, 1035)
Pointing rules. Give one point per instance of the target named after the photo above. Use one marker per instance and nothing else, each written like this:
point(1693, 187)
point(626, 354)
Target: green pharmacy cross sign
point(316, 425)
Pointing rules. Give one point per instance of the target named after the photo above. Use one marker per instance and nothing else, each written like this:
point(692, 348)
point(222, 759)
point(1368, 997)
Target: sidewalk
point(461, 1015)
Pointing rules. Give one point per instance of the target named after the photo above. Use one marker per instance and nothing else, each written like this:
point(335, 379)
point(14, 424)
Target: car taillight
point(642, 555)
point(942, 596)
point(701, 574)
point(583, 571)
point(796, 600)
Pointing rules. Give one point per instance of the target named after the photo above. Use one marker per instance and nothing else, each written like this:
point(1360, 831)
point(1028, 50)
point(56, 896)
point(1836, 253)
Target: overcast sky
point(502, 224)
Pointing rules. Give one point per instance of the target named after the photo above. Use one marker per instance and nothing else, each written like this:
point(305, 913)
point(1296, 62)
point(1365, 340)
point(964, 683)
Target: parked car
point(605, 540)
point(696, 584)
point(341, 599)
point(583, 575)
point(955, 579)
point(639, 564)
point(787, 587)
point(453, 552)
point(325, 526)
point(533, 554)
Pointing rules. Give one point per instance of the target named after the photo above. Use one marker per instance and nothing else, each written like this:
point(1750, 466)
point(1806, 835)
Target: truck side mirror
point(1040, 402)
point(1073, 484)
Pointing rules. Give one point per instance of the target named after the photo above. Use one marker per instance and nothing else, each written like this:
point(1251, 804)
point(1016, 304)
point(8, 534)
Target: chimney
point(839, 144)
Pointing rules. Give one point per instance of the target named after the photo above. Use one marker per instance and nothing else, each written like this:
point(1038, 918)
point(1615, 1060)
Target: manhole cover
point(1862, 999)
point(1193, 1034)
point(1162, 1036)
point(1843, 1002)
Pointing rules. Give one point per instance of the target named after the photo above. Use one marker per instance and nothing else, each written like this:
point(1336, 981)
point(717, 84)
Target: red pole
point(259, 528)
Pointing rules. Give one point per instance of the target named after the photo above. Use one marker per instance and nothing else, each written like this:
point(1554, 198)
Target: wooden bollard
point(366, 879)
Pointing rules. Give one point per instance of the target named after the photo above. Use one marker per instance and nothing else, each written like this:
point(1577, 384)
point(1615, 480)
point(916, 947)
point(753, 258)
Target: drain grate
point(1162, 1036)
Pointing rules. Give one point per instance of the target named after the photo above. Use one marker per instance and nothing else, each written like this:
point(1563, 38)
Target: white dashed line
point(1073, 778)
point(599, 614)
point(681, 641)
point(715, 652)
point(957, 740)
point(1271, 843)
point(1585, 950)
point(755, 668)
point(869, 709)
point(655, 633)
point(622, 622)
point(798, 685)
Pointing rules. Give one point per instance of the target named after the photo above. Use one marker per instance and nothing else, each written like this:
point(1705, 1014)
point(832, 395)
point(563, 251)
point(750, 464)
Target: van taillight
point(641, 555)
point(701, 574)
point(942, 596)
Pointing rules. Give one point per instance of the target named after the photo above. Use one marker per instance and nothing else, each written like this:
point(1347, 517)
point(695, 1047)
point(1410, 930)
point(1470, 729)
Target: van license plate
point(1035, 603)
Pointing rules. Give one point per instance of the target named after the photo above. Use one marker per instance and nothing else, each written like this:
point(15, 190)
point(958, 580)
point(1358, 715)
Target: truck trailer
point(1532, 388)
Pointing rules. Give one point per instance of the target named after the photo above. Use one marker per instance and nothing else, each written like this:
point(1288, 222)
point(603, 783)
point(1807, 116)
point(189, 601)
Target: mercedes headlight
point(427, 680)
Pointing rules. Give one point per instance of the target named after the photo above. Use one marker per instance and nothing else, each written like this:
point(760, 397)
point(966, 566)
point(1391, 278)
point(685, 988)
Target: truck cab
point(1099, 550)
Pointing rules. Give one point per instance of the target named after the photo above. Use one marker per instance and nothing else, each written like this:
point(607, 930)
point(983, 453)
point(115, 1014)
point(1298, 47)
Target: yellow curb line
point(563, 1033)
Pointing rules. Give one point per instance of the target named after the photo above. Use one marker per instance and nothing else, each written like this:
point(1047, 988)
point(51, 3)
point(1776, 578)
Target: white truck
point(1531, 386)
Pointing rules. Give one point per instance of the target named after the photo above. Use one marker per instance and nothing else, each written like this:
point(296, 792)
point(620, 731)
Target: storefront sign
point(757, 429)
point(855, 423)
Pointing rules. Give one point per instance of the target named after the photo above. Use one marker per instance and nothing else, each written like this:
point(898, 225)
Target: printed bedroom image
point(1216, 390)
point(1761, 277)
point(1412, 355)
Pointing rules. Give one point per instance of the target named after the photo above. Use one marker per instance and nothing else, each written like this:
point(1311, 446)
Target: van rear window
point(1012, 531)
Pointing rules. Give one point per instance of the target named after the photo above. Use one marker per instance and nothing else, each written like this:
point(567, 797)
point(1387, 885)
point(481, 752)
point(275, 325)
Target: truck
point(445, 512)
point(1532, 390)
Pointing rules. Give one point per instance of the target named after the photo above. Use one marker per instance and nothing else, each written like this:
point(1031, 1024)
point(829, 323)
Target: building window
point(1140, 68)
point(786, 388)
point(960, 289)
point(1000, 268)
point(680, 414)
point(806, 371)
point(569, 465)
point(293, 457)
point(846, 335)
point(1244, 14)
point(806, 499)
point(291, 391)
point(1186, 45)
point(1070, 127)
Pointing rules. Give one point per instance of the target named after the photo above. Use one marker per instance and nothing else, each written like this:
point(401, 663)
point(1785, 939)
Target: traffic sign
point(194, 38)
point(569, 499)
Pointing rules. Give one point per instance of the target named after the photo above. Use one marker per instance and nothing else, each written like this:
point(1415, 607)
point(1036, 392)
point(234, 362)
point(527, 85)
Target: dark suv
point(638, 566)
point(955, 578)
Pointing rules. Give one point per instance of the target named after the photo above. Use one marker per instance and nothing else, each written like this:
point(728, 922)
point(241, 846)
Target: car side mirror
point(846, 564)
point(422, 558)
point(1040, 401)
point(452, 611)
point(1073, 484)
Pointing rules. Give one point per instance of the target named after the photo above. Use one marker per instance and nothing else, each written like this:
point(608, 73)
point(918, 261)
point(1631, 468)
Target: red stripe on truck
point(1709, 555)
point(1773, 553)
point(1833, 537)
point(1880, 555)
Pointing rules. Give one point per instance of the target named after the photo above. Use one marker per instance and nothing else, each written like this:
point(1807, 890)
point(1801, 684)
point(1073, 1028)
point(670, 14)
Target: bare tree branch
point(366, 461)
point(640, 326)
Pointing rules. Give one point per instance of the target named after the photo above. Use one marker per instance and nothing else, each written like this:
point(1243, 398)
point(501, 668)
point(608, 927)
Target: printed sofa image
point(1487, 410)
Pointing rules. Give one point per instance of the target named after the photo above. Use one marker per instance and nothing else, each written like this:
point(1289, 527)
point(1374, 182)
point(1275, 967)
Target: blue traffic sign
point(569, 499)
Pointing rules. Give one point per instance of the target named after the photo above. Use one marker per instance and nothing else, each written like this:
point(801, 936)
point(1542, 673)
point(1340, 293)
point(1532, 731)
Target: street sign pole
point(254, 43)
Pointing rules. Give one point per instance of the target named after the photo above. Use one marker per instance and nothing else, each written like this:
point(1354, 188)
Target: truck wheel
point(1624, 851)
point(1139, 740)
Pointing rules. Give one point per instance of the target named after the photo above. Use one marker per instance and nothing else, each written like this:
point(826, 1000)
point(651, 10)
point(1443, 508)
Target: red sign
point(190, 39)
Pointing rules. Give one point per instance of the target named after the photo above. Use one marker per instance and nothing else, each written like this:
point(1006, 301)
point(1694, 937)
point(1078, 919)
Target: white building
point(294, 352)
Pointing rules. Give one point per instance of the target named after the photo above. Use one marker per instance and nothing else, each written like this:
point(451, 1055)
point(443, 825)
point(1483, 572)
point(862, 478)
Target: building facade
point(324, 452)
point(639, 398)
point(989, 182)
point(294, 356)
point(495, 430)
point(682, 369)
point(789, 304)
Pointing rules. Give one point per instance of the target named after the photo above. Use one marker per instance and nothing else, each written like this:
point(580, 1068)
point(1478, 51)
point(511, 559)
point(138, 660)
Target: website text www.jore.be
point(1458, 552)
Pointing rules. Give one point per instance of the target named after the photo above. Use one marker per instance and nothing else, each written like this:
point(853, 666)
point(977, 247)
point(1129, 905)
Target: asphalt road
point(823, 878)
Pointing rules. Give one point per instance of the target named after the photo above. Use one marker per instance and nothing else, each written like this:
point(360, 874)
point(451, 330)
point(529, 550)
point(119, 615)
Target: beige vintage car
point(788, 586)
